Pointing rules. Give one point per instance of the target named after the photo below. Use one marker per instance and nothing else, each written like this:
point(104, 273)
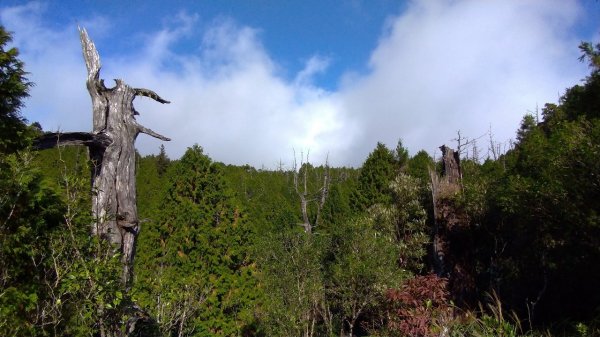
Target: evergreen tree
point(375, 175)
point(28, 214)
point(27, 210)
point(337, 208)
point(14, 87)
point(193, 267)
point(538, 236)
point(268, 197)
point(150, 186)
point(401, 155)
point(55, 279)
point(419, 166)
point(591, 52)
point(162, 161)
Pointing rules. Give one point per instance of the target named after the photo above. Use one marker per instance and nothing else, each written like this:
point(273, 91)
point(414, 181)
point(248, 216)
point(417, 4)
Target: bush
point(420, 307)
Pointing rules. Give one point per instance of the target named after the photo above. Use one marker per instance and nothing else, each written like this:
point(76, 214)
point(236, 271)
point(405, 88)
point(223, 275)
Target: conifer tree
point(419, 166)
point(14, 87)
point(198, 278)
point(162, 161)
point(376, 173)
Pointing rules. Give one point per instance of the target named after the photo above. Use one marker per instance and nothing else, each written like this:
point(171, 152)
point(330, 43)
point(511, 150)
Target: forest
point(490, 239)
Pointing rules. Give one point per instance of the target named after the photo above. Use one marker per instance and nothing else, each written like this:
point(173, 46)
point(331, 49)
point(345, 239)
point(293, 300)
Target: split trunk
point(112, 154)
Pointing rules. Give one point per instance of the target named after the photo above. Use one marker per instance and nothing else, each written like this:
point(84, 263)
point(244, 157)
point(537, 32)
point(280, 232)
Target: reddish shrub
point(420, 302)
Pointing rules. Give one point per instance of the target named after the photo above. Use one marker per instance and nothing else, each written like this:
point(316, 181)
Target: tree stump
point(451, 165)
point(452, 238)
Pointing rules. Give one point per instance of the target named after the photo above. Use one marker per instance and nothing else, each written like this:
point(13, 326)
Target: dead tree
point(301, 186)
point(443, 188)
point(451, 165)
point(112, 153)
point(452, 242)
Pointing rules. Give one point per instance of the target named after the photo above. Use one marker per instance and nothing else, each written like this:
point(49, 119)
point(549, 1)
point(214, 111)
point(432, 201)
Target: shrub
point(419, 307)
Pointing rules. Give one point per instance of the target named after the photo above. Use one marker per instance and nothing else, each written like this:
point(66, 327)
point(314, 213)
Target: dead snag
point(112, 153)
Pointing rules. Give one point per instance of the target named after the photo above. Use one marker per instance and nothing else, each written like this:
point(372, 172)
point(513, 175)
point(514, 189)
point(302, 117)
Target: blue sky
point(252, 81)
point(343, 32)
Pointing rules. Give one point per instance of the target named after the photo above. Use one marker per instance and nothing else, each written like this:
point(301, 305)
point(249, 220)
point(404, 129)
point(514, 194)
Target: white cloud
point(53, 59)
point(444, 66)
point(440, 66)
point(229, 97)
point(315, 65)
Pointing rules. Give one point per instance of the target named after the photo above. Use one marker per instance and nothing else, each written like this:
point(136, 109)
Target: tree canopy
point(14, 88)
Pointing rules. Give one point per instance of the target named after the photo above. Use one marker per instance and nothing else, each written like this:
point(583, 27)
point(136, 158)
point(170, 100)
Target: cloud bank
point(439, 67)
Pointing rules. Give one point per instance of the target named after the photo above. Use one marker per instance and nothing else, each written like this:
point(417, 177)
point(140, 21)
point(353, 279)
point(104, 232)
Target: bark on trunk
point(452, 239)
point(443, 188)
point(114, 194)
point(451, 165)
point(112, 153)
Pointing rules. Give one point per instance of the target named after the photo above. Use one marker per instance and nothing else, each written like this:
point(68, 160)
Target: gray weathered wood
point(114, 198)
point(112, 153)
point(50, 140)
point(305, 197)
point(451, 165)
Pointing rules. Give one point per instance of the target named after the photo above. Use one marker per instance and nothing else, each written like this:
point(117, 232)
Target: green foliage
point(64, 163)
point(267, 196)
point(326, 282)
point(528, 124)
point(363, 268)
point(293, 283)
point(14, 87)
point(338, 206)
point(406, 219)
point(56, 278)
point(83, 274)
point(401, 155)
point(162, 161)
point(490, 321)
point(539, 212)
point(150, 186)
point(378, 170)
point(419, 166)
point(578, 101)
point(27, 213)
point(476, 184)
point(193, 268)
point(591, 53)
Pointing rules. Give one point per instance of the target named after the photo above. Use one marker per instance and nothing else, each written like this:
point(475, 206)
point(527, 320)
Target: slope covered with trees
point(225, 250)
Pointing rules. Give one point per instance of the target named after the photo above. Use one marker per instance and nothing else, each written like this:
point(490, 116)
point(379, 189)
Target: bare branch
point(151, 94)
point(149, 132)
point(50, 140)
point(307, 197)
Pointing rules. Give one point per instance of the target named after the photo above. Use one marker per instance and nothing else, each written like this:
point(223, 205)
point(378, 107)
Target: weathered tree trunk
point(443, 188)
point(305, 197)
point(452, 242)
point(451, 165)
point(112, 153)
